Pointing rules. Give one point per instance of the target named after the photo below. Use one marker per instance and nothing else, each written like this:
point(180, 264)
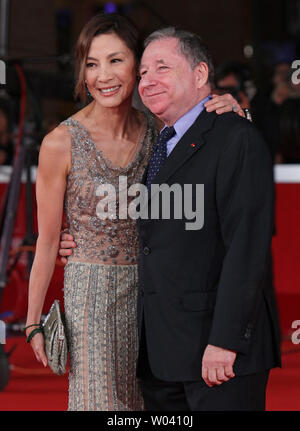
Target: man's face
point(169, 87)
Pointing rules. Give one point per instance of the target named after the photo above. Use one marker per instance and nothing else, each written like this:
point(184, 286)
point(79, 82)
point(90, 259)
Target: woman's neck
point(116, 121)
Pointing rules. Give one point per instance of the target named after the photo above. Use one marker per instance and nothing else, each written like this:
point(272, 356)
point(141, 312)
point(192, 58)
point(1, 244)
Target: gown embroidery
point(101, 280)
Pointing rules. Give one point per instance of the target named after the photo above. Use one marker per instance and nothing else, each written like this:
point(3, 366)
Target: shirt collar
point(185, 122)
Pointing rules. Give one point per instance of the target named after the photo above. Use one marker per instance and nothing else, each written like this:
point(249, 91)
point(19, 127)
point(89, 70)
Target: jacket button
point(247, 333)
point(146, 251)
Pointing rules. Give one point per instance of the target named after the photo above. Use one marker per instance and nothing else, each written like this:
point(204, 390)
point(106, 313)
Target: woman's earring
point(87, 91)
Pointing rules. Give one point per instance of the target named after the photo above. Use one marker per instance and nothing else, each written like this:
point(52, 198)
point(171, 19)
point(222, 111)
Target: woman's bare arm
point(54, 165)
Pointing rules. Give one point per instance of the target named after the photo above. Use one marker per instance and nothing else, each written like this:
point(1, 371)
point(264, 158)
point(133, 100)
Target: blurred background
point(256, 49)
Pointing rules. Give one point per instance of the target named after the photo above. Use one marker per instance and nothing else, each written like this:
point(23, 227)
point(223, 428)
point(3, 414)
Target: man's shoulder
point(226, 124)
point(233, 127)
point(240, 135)
point(232, 120)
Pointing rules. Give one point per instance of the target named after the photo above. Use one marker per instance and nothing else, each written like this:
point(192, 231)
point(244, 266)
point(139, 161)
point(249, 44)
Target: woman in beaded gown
point(100, 286)
point(105, 142)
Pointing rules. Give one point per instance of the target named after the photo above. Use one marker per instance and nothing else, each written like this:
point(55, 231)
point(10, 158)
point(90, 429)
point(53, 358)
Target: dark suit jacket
point(208, 286)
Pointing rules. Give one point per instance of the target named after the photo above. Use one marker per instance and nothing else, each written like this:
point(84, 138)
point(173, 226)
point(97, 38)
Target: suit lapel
point(188, 145)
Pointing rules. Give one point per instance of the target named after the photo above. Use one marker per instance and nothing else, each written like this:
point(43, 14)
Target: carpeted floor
point(34, 388)
point(31, 386)
point(284, 385)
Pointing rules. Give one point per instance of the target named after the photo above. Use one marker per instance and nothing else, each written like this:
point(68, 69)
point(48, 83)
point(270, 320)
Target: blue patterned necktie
point(159, 154)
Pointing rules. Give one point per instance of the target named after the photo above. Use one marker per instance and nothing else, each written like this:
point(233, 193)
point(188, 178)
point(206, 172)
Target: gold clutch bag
point(56, 347)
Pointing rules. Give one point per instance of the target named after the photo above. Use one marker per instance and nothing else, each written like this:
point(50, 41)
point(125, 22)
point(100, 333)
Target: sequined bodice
point(99, 240)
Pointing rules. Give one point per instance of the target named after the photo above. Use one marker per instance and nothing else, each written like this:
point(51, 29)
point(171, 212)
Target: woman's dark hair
point(103, 24)
point(290, 131)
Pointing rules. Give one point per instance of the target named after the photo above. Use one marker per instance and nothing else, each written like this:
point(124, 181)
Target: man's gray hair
point(190, 44)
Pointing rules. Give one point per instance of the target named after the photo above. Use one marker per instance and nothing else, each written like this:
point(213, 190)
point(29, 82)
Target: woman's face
point(110, 72)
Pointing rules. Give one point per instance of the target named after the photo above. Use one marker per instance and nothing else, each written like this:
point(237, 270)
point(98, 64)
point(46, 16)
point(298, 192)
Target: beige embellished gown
point(100, 283)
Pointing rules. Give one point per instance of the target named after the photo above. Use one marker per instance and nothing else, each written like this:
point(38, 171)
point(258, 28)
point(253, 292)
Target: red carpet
point(32, 387)
point(284, 384)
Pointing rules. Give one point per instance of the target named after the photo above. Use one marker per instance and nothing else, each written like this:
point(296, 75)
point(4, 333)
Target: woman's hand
point(37, 343)
point(224, 103)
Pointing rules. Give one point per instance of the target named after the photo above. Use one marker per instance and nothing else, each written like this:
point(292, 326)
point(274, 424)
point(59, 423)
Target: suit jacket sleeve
point(244, 198)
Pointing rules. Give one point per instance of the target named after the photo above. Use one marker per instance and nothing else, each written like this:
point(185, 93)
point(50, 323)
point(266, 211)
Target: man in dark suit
point(208, 324)
point(207, 319)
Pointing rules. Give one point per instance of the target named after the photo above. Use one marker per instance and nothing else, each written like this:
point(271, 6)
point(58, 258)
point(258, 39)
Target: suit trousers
point(242, 393)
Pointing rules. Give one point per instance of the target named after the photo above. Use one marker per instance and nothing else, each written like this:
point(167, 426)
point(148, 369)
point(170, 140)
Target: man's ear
point(201, 72)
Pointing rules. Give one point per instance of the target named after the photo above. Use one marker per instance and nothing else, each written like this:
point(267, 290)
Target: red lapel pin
point(193, 145)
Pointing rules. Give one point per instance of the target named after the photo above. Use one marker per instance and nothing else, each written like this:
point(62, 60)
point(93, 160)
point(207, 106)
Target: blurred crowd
point(6, 127)
point(276, 113)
